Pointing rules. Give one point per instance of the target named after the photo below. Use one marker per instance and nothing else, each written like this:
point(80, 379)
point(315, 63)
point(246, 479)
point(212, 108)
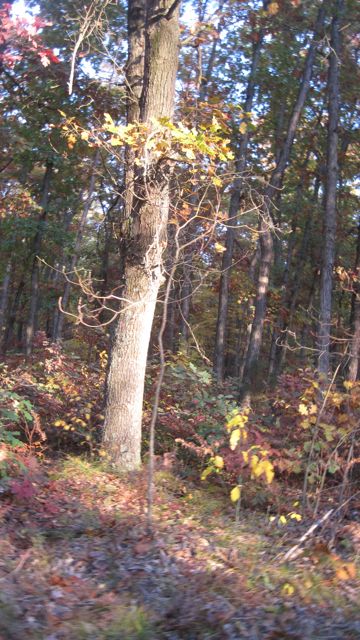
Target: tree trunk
point(186, 286)
point(9, 331)
point(295, 285)
point(354, 368)
point(4, 297)
point(332, 172)
point(251, 369)
point(59, 323)
point(144, 243)
point(34, 286)
point(223, 305)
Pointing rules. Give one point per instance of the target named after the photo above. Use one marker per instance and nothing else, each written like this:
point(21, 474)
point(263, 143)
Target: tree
point(267, 224)
point(219, 355)
point(332, 174)
point(144, 229)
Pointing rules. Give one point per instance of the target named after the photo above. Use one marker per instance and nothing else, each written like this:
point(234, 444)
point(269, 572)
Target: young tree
point(330, 193)
point(147, 191)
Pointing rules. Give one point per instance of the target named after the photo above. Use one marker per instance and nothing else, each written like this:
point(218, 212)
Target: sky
point(19, 9)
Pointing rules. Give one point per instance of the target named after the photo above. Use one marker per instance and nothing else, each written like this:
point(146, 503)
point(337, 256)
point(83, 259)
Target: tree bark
point(332, 174)
point(144, 242)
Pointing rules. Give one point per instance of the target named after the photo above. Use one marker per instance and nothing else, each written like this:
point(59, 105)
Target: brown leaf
point(142, 548)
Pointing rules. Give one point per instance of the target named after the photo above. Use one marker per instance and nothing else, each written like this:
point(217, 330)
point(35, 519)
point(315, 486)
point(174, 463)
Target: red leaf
point(23, 489)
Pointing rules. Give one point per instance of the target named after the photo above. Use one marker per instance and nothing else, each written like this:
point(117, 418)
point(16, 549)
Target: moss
point(75, 466)
point(133, 624)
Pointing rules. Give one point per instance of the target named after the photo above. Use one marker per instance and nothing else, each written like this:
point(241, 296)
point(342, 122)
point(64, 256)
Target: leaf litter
point(77, 562)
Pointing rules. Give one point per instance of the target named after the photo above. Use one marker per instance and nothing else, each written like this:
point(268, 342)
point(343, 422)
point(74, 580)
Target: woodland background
point(253, 358)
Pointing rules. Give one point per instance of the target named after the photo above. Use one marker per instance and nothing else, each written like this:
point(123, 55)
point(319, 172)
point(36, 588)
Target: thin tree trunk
point(185, 300)
point(251, 369)
point(4, 297)
point(144, 244)
point(58, 328)
point(34, 286)
point(186, 286)
point(223, 304)
point(292, 281)
point(332, 174)
point(169, 331)
point(354, 368)
point(9, 331)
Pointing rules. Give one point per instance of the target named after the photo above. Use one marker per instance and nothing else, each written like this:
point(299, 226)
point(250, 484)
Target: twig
point(19, 566)
point(295, 550)
point(315, 433)
point(155, 409)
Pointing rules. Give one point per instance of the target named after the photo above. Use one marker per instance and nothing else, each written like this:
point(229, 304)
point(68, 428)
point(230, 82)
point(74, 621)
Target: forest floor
point(77, 563)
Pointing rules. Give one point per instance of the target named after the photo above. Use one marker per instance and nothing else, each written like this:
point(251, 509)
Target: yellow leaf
point(296, 516)
point(313, 409)
point(108, 118)
point(235, 494)
point(62, 113)
point(303, 410)
point(219, 462)
point(268, 469)
point(282, 520)
point(243, 127)
point(348, 384)
point(206, 473)
point(305, 424)
point(234, 438)
point(336, 399)
point(287, 589)
point(219, 248)
point(254, 462)
point(237, 421)
point(116, 142)
point(245, 456)
point(87, 416)
point(217, 182)
point(346, 571)
point(85, 135)
point(71, 139)
point(273, 8)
